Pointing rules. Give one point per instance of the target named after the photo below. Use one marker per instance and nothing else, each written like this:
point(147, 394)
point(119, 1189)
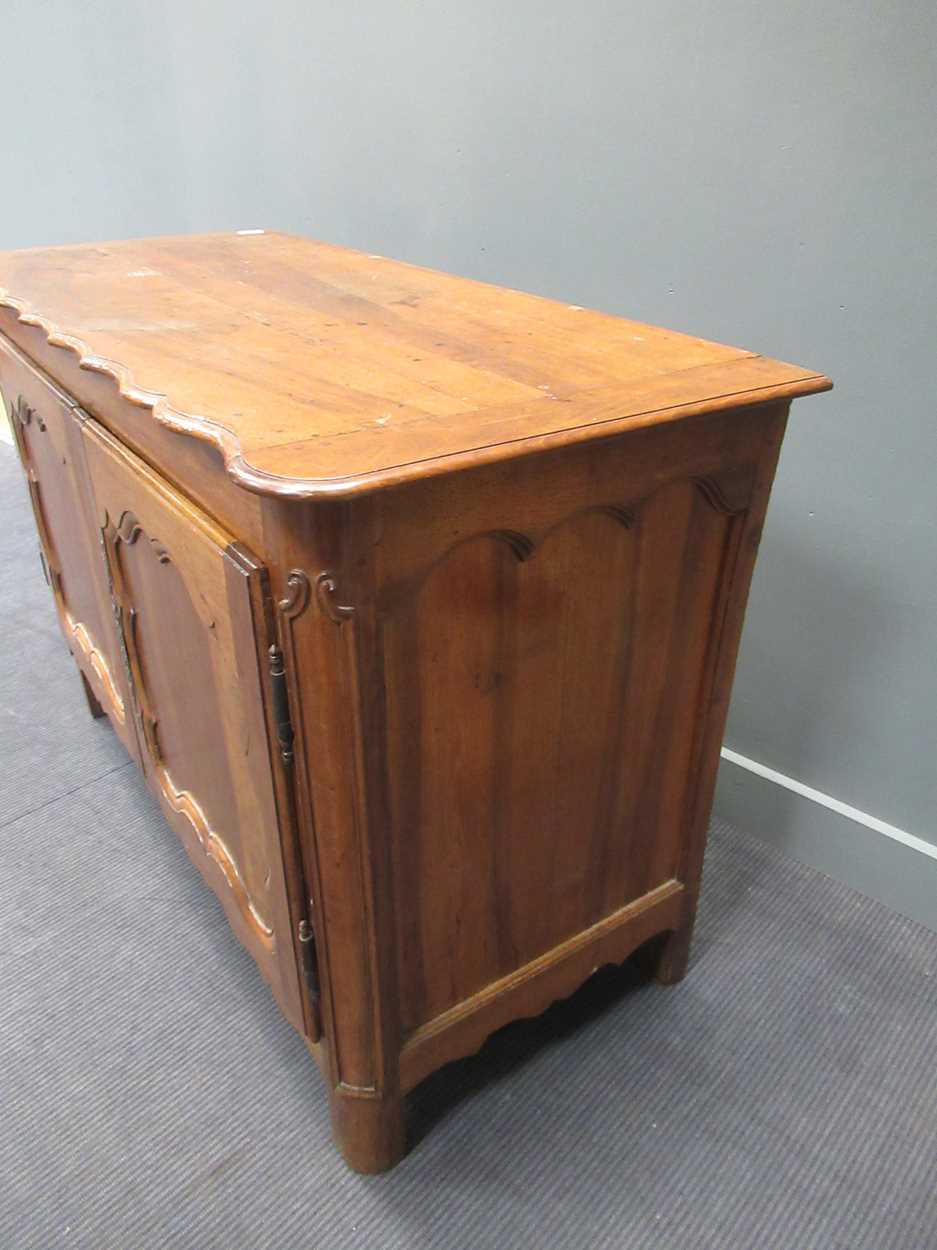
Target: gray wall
point(762, 174)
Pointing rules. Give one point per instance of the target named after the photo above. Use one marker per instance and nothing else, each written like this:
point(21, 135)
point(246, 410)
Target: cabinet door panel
point(189, 605)
point(47, 431)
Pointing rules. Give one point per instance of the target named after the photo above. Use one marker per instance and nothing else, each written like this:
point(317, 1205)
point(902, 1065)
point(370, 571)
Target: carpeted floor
point(783, 1097)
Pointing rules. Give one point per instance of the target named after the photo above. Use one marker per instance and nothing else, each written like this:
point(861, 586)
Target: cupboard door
point(191, 612)
point(47, 430)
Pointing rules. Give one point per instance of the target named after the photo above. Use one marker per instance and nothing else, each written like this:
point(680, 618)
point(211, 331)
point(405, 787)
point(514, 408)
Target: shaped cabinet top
point(317, 370)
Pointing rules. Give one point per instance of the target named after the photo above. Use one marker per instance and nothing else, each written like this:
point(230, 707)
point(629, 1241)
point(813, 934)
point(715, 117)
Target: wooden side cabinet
point(417, 601)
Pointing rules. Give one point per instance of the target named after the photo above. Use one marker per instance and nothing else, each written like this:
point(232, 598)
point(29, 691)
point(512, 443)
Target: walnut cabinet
point(417, 602)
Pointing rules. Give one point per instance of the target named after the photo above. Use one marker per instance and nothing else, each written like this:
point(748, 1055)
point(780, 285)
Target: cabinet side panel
point(541, 699)
point(505, 681)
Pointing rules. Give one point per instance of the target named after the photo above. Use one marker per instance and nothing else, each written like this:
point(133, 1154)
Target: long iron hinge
point(307, 946)
point(284, 729)
point(281, 704)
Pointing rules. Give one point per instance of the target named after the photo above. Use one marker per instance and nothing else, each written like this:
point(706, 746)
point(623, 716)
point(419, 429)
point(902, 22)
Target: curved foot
point(94, 706)
point(368, 1128)
point(673, 957)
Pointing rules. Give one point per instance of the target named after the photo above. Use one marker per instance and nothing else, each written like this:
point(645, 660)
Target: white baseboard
point(827, 800)
point(890, 864)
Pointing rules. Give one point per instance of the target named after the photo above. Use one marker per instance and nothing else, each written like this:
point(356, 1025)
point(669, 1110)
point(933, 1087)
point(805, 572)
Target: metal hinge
point(281, 704)
point(284, 728)
point(307, 947)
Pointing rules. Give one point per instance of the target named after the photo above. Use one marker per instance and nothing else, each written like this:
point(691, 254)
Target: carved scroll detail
point(296, 599)
point(127, 531)
point(327, 595)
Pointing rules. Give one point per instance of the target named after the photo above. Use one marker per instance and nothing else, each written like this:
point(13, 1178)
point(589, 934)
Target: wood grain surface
point(316, 369)
point(441, 750)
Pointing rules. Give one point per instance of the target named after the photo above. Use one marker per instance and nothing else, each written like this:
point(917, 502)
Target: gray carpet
point(782, 1097)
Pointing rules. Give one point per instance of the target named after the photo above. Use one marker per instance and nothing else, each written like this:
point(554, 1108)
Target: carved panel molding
point(728, 497)
point(99, 666)
point(127, 532)
point(77, 632)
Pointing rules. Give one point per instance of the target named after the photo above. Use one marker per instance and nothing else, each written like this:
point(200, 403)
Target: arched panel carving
point(136, 592)
point(80, 625)
point(537, 684)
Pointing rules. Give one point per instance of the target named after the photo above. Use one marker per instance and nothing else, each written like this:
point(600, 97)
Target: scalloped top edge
point(219, 436)
point(263, 482)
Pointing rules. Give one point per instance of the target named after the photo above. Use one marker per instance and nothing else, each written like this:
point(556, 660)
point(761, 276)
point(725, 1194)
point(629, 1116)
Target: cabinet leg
point(369, 1130)
point(94, 707)
point(674, 955)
